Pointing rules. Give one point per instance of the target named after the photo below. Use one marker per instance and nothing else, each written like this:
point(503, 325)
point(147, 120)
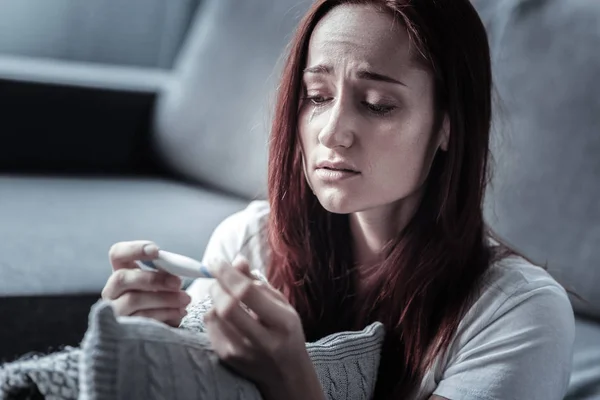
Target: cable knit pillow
point(138, 358)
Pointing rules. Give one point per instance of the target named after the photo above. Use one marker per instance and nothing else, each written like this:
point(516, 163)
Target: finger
point(242, 265)
point(123, 254)
point(227, 343)
point(229, 309)
point(274, 292)
point(124, 280)
point(268, 308)
point(170, 316)
point(133, 302)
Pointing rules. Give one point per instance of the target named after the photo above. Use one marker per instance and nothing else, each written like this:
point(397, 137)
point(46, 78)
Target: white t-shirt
point(515, 342)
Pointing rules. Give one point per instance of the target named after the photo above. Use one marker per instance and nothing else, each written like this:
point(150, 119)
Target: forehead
point(359, 34)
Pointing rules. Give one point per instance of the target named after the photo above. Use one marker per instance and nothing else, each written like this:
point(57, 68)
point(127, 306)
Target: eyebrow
point(361, 74)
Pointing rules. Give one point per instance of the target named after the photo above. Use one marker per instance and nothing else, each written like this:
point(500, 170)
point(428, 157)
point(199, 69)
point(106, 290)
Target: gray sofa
point(159, 138)
point(150, 120)
point(545, 196)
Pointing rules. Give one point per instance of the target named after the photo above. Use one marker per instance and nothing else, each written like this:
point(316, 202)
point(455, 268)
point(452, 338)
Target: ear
point(444, 134)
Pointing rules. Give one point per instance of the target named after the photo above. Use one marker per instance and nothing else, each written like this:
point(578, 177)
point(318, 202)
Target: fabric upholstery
point(212, 123)
point(585, 377)
point(56, 232)
point(544, 198)
point(136, 32)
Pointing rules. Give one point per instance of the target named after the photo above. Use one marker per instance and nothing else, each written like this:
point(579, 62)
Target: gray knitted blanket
point(138, 358)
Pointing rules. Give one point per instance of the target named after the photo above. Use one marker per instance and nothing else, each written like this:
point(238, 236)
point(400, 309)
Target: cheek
point(306, 145)
point(307, 133)
point(403, 156)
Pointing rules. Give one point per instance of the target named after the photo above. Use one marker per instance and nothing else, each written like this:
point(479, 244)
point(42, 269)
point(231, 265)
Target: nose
point(339, 132)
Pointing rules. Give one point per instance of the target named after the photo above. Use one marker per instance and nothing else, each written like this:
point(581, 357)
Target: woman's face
point(367, 116)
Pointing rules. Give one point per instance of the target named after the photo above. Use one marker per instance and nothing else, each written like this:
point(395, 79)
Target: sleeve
point(227, 241)
point(523, 352)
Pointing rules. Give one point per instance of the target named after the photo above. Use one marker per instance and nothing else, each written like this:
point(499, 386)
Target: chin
point(338, 203)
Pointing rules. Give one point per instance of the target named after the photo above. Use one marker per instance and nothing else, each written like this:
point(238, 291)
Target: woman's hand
point(136, 292)
point(255, 331)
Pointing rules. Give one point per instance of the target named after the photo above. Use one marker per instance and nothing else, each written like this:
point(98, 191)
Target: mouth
point(332, 174)
point(337, 166)
point(339, 169)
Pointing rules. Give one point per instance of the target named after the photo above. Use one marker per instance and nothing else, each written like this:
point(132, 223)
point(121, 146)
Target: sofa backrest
point(212, 122)
point(144, 33)
point(545, 197)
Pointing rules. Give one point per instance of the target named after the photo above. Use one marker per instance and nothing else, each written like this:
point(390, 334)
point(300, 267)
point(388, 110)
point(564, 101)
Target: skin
point(135, 292)
point(384, 129)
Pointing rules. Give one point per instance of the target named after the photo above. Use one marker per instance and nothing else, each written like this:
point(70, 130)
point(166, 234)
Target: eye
point(379, 109)
point(317, 100)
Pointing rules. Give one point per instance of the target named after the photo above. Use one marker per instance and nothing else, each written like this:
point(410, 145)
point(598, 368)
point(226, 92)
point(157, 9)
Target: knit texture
point(139, 358)
point(50, 377)
point(346, 362)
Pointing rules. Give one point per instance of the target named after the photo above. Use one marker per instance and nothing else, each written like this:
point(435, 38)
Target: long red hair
point(431, 271)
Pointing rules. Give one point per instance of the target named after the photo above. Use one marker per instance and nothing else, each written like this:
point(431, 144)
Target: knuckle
point(150, 278)
point(243, 290)
point(113, 252)
point(119, 278)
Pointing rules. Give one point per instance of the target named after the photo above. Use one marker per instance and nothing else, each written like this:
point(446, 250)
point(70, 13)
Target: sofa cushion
point(213, 120)
point(585, 378)
point(546, 141)
point(56, 232)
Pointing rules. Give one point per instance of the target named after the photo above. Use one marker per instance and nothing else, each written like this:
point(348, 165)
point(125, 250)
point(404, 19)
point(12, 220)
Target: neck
point(373, 229)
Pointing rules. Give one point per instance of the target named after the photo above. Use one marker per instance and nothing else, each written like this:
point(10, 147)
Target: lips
point(337, 165)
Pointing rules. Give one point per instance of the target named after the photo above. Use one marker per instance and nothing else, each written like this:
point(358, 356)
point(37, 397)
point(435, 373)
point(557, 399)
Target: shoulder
point(242, 233)
point(518, 292)
point(518, 333)
point(244, 223)
point(514, 285)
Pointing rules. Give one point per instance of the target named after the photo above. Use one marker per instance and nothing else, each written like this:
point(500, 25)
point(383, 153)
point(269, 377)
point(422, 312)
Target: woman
point(378, 165)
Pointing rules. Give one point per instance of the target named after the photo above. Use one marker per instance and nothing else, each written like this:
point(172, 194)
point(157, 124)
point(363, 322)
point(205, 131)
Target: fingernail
point(150, 249)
